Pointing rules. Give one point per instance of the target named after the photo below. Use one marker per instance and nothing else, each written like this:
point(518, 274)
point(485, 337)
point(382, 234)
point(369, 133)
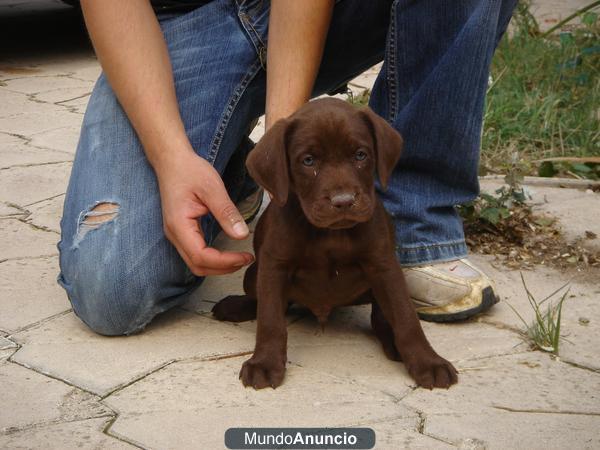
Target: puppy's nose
point(343, 199)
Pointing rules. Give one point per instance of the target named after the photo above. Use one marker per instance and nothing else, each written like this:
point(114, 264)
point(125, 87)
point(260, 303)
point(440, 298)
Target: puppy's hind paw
point(235, 308)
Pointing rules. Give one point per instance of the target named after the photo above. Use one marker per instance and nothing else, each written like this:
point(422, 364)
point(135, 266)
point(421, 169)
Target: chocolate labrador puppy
point(325, 240)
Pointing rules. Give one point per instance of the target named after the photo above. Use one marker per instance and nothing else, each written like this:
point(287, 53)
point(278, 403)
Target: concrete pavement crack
point(74, 98)
point(499, 326)
point(138, 378)
point(107, 431)
point(422, 420)
point(579, 366)
point(20, 208)
point(26, 258)
point(228, 356)
point(44, 200)
point(41, 372)
point(41, 147)
point(7, 337)
point(421, 428)
point(33, 325)
point(29, 76)
point(49, 163)
point(36, 227)
point(35, 426)
point(19, 136)
point(543, 411)
point(479, 358)
point(113, 415)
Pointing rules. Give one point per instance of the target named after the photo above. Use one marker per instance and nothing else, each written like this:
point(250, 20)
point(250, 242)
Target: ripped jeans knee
point(101, 213)
point(118, 268)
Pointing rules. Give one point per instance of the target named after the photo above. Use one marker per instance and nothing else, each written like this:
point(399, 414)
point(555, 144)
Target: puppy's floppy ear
point(267, 163)
point(388, 144)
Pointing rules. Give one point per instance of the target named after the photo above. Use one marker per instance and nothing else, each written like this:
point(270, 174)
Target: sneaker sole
point(251, 212)
point(488, 299)
point(254, 214)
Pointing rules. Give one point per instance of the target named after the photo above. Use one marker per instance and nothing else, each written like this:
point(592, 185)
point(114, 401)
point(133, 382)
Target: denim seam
point(391, 65)
point(423, 247)
point(248, 77)
point(432, 254)
point(245, 19)
point(229, 109)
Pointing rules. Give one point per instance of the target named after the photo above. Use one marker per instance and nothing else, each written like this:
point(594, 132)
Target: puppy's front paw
point(433, 371)
point(260, 373)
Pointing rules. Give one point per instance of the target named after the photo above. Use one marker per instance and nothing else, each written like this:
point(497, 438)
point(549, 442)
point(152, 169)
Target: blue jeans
point(121, 273)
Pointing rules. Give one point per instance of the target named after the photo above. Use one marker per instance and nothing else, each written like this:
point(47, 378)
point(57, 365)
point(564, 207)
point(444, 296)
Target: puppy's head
point(327, 154)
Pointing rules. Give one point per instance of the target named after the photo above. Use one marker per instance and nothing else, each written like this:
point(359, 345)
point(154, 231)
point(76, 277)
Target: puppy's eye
point(360, 155)
point(308, 160)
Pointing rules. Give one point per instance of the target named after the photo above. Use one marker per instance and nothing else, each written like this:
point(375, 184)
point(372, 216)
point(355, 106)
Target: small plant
point(582, 168)
point(361, 99)
point(494, 209)
point(544, 331)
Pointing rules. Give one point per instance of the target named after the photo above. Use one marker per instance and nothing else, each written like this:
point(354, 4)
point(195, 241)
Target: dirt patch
point(525, 240)
point(19, 70)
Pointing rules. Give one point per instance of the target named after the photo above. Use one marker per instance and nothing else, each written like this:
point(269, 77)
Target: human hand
point(189, 189)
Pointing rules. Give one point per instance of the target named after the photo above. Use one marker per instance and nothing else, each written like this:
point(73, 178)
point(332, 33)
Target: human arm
point(297, 34)
point(133, 54)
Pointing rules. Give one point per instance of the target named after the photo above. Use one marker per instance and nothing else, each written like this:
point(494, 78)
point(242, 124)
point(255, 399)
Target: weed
point(361, 99)
point(494, 209)
point(582, 168)
point(544, 331)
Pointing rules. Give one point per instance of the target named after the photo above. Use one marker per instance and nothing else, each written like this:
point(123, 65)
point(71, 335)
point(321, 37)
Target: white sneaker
point(250, 206)
point(450, 291)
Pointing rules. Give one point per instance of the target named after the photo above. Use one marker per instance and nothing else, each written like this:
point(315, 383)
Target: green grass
point(544, 99)
point(544, 331)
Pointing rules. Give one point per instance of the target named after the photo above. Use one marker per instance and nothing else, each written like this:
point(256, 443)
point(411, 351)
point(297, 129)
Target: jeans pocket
point(253, 16)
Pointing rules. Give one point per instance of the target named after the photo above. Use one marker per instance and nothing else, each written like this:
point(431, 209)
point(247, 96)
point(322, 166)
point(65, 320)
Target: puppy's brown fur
point(326, 240)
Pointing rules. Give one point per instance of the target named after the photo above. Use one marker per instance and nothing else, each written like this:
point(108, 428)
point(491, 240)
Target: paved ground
point(176, 386)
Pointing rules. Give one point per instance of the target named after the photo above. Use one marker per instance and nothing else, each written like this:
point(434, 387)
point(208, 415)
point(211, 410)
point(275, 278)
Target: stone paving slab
point(24, 186)
point(26, 124)
point(82, 66)
point(24, 283)
point(580, 324)
point(15, 151)
point(533, 396)
point(367, 78)
point(88, 70)
point(398, 434)
point(64, 139)
point(22, 240)
point(82, 434)
point(65, 348)
point(198, 400)
point(7, 347)
point(362, 358)
point(45, 83)
point(7, 210)
point(550, 12)
point(65, 95)
point(36, 399)
point(14, 103)
point(47, 213)
point(514, 430)
point(530, 381)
